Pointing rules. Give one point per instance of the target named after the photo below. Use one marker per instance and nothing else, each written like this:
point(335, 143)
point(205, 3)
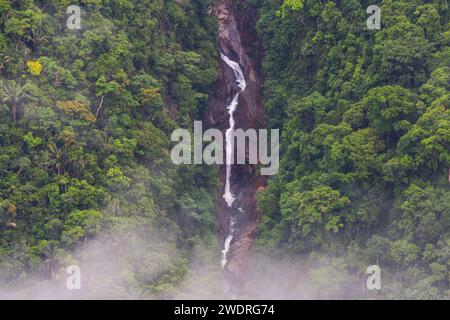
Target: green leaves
point(404, 253)
point(104, 87)
point(425, 214)
point(313, 214)
point(290, 5)
point(390, 109)
point(403, 53)
point(84, 147)
point(31, 140)
point(117, 177)
point(365, 138)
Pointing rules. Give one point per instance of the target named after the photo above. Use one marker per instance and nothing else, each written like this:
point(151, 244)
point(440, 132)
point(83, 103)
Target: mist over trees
point(85, 135)
point(364, 116)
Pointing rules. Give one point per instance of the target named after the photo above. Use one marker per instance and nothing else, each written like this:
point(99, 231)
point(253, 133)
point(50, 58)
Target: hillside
point(87, 179)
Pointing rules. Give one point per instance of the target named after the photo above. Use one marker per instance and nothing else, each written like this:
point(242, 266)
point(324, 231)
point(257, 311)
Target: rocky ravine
point(236, 40)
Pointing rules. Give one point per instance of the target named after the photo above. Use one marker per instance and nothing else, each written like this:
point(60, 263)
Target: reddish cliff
point(236, 40)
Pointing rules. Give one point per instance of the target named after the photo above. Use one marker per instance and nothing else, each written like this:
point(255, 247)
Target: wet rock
point(237, 41)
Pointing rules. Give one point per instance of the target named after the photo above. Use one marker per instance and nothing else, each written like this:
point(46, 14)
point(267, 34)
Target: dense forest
point(87, 115)
point(365, 150)
point(85, 136)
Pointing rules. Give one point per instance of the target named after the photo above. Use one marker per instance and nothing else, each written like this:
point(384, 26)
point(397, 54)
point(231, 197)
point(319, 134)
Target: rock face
point(237, 41)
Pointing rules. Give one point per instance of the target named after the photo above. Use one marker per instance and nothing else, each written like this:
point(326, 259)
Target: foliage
point(85, 137)
point(34, 67)
point(364, 168)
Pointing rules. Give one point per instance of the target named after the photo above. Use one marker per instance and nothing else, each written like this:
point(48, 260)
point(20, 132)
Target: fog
point(111, 269)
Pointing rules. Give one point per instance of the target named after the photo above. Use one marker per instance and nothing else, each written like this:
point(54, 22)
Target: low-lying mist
point(135, 261)
point(126, 266)
point(148, 268)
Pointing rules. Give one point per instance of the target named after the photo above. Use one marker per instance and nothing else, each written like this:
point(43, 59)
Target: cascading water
point(228, 194)
point(227, 243)
point(236, 103)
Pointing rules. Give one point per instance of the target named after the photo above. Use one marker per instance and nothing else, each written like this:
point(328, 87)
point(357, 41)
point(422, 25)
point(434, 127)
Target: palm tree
point(13, 95)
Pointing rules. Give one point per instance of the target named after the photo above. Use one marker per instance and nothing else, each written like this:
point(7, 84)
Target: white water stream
point(228, 195)
point(227, 243)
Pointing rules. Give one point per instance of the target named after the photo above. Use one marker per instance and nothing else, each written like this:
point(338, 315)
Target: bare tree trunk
point(99, 107)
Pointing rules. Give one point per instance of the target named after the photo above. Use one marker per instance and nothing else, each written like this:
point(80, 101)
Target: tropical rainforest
point(85, 135)
point(365, 150)
point(87, 116)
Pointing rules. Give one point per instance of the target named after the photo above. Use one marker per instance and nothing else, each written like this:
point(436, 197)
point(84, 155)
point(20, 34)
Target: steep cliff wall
point(236, 40)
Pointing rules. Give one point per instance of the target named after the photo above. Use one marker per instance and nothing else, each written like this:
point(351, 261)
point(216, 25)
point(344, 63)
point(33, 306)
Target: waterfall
point(227, 243)
point(228, 195)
